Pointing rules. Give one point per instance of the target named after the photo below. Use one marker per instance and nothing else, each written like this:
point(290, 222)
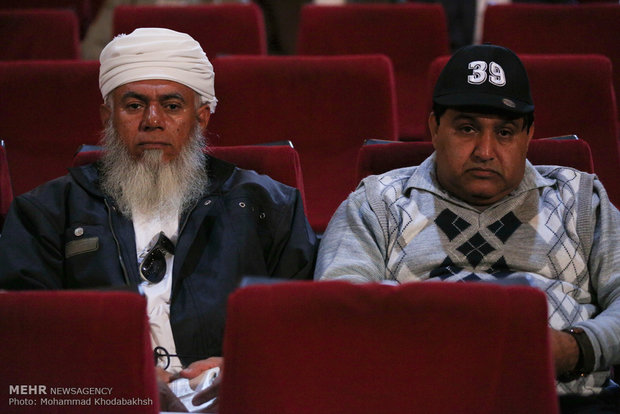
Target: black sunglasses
point(153, 267)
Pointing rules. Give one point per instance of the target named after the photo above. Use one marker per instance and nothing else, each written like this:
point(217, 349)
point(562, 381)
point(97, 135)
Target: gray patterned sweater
point(558, 230)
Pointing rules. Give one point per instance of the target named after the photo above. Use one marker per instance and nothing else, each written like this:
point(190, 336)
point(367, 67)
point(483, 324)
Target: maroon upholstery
point(221, 29)
point(280, 162)
point(380, 158)
point(6, 186)
point(54, 107)
point(82, 8)
point(327, 106)
point(77, 339)
point(411, 35)
point(334, 347)
point(536, 28)
point(573, 94)
point(26, 34)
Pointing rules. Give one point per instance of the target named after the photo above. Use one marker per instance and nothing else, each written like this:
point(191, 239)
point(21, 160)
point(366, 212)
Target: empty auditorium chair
point(83, 9)
point(573, 94)
point(426, 347)
point(49, 109)
point(6, 186)
point(222, 29)
point(540, 28)
point(411, 35)
point(327, 106)
point(27, 34)
point(80, 346)
point(280, 162)
point(380, 158)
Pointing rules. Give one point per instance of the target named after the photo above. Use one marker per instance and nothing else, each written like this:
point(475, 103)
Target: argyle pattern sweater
point(557, 230)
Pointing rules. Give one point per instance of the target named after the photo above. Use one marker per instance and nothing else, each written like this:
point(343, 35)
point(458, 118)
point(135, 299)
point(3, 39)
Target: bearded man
point(156, 212)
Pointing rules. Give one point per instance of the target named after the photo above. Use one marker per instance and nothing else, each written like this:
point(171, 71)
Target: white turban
point(155, 53)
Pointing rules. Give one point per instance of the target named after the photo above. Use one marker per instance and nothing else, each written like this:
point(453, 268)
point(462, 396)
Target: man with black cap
point(476, 209)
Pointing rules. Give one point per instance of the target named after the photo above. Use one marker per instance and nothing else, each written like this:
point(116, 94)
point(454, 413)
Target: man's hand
point(565, 351)
point(197, 368)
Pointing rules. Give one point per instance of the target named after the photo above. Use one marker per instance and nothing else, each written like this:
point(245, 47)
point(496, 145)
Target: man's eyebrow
point(144, 98)
point(132, 94)
point(170, 96)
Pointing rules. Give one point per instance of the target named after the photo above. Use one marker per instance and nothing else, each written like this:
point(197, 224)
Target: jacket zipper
point(118, 246)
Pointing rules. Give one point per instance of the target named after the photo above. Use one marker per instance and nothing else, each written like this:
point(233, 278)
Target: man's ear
point(530, 134)
point(203, 115)
point(105, 113)
point(432, 126)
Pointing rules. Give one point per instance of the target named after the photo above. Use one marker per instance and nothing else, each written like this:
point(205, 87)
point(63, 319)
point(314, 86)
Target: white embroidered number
point(496, 75)
point(479, 74)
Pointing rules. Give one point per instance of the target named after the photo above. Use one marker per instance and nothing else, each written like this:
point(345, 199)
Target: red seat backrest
point(82, 8)
point(411, 35)
point(26, 34)
point(573, 94)
point(42, 142)
point(81, 341)
point(327, 106)
point(543, 28)
point(221, 29)
point(336, 347)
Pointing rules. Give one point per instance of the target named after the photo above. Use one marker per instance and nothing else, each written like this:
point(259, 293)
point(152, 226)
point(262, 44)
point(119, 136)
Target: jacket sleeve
point(604, 264)
point(297, 244)
point(31, 253)
point(353, 247)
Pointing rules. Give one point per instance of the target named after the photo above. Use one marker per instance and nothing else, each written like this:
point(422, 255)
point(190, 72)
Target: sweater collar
point(424, 178)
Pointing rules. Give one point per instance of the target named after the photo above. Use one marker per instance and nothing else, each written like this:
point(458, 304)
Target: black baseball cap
point(484, 76)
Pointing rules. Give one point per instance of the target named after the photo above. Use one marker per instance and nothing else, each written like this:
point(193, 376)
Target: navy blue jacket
point(246, 224)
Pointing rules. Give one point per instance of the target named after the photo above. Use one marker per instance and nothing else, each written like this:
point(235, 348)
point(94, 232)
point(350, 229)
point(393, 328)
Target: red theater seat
point(81, 341)
point(411, 35)
point(543, 28)
point(327, 106)
point(380, 158)
point(82, 8)
point(27, 34)
point(573, 94)
point(280, 162)
point(223, 29)
point(335, 347)
point(49, 108)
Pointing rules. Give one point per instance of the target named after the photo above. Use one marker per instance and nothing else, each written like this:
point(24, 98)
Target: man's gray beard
point(149, 186)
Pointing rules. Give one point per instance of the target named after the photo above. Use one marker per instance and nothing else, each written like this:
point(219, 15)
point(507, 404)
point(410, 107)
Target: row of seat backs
point(282, 162)
point(355, 349)
point(327, 106)
point(411, 35)
point(221, 29)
